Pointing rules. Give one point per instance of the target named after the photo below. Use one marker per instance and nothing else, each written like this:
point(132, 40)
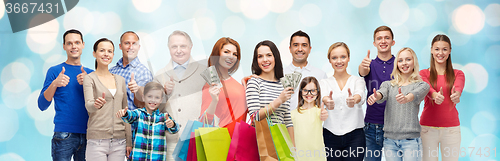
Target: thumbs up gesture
point(132, 85)
point(438, 96)
point(324, 113)
point(455, 95)
point(100, 101)
point(80, 76)
point(328, 101)
point(350, 99)
point(400, 97)
point(62, 79)
point(169, 123)
point(169, 86)
point(374, 97)
point(366, 61)
point(121, 113)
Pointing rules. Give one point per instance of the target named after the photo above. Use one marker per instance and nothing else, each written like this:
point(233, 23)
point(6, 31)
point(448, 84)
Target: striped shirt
point(150, 142)
point(260, 93)
point(142, 76)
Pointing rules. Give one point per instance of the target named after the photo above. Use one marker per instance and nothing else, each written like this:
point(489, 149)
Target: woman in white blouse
point(343, 94)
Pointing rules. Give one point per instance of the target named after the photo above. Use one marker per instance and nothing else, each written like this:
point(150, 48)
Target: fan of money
point(210, 75)
point(291, 80)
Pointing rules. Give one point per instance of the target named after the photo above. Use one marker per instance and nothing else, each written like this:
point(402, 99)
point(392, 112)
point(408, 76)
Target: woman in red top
point(439, 120)
point(225, 57)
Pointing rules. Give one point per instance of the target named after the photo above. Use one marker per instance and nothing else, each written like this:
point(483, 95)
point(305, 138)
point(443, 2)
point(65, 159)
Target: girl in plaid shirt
point(150, 142)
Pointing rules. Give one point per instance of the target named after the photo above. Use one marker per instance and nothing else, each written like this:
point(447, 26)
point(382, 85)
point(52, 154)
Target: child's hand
point(121, 113)
point(350, 99)
point(169, 123)
point(324, 113)
point(373, 98)
point(100, 101)
point(328, 101)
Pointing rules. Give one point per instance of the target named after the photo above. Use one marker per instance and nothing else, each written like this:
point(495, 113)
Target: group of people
point(123, 111)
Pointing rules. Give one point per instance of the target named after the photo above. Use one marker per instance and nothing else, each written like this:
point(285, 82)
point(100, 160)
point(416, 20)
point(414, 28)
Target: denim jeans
point(66, 145)
point(347, 147)
point(405, 149)
point(374, 136)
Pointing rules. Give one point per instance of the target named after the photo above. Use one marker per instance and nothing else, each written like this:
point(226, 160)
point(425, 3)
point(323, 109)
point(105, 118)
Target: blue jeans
point(374, 136)
point(65, 145)
point(347, 147)
point(405, 149)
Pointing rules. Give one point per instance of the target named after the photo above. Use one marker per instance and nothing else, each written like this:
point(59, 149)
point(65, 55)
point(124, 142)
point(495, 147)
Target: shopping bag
point(267, 151)
point(215, 141)
point(243, 143)
point(181, 149)
point(200, 152)
point(282, 142)
point(191, 155)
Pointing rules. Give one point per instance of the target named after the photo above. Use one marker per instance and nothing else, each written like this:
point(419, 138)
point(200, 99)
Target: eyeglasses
point(313, 92)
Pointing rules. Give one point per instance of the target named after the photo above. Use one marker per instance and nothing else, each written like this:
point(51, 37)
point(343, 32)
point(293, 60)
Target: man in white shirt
point(300, 47)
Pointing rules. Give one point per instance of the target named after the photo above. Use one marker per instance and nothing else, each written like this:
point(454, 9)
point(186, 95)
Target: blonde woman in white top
point(343, 95)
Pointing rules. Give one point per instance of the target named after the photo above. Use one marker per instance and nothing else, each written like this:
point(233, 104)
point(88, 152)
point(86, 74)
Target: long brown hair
point(304, 83)
point(215, 55)
point(449, 73)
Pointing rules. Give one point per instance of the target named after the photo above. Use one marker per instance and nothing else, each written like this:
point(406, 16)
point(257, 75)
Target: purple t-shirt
point(380, 71)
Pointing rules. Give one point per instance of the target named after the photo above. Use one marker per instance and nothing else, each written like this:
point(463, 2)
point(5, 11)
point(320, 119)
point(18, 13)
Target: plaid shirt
point(141, 73)
point(150, 142)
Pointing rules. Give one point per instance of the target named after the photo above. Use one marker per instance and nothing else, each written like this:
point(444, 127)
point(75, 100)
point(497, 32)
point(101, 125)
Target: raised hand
point(80, 76)
point(328, 101)
point(373, 98)
point(324, 113)
point(100, 101)
point(350, 99)
point(214, 91)
point(62, 79)
point(455, 95)
point(169, 123)
point(400, 97)
point(132, 85)
point(169, 86)
point(121, 113)
point(286, 94)
point(366, 61)
point(439, 98)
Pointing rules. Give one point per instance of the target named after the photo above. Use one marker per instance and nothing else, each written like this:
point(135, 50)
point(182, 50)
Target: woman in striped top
point(265, 94)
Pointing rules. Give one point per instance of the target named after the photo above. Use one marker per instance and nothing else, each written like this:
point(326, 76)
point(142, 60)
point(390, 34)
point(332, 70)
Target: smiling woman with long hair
point(105, 94)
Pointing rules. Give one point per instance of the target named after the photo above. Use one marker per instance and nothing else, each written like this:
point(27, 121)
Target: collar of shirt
point(134, 63)
point(293, 67)
point(390, 61)
point(183, 65)
point(156, 112)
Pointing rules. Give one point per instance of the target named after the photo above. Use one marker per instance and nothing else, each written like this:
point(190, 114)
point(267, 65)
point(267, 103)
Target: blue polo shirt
point(380, 71)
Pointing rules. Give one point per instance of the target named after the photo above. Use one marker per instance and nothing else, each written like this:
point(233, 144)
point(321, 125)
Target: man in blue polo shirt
point(375, 72)
point(63, 83)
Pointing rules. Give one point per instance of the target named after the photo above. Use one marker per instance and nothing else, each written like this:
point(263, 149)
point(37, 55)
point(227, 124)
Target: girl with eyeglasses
point(307, 120)
point(343, 95)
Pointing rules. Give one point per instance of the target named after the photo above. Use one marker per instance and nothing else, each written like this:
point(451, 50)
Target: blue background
point(473, 26)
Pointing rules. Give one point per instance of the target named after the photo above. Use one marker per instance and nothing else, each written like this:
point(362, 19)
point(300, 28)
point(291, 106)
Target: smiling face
point(440, 51)
point(300, 48)
point(405, 63)
point(180, 48)
point(104, 53)
point(228, 56)
point(309, 93)
point(130, 46)
point(73, 45)
point(153, 99)
point(383, 41)
point(339, 59)
point(265, 59)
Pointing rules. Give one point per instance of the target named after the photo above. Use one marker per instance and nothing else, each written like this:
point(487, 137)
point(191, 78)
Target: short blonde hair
point(396, 73)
